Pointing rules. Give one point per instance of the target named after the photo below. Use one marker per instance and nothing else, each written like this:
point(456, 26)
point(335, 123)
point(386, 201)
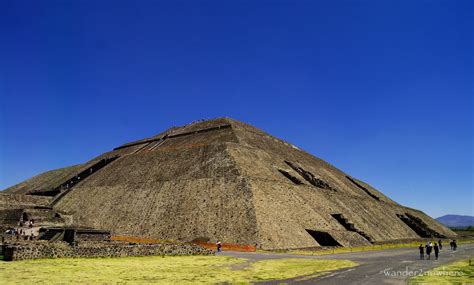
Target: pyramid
point(219, 179)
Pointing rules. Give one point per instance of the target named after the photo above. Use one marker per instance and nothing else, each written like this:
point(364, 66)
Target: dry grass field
point(161, 270)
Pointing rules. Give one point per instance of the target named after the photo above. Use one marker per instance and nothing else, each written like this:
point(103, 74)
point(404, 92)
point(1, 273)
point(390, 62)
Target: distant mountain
point(456, 221)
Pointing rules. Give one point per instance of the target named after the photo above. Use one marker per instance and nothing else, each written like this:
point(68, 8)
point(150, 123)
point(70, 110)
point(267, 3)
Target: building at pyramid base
point(222, 180)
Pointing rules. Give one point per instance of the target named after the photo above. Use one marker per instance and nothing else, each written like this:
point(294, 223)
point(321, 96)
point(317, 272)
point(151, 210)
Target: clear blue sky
point(381, 89)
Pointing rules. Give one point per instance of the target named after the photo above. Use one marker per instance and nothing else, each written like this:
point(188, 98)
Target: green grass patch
point(459, 272)
point(162, 270)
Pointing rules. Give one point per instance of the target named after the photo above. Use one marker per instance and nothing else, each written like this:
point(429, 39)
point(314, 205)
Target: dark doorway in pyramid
point(323, 238)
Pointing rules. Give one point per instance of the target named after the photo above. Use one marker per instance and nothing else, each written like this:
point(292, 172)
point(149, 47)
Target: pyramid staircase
point(44, 216)
point(51, 235)
point(363, 188)
point(155, 143)
point(351, 227)
point(67, 186)
point(418, 226)
point(152, 145)
point(310, 177)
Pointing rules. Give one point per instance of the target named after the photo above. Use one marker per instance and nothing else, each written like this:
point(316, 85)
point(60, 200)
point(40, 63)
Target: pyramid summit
point(218, 179)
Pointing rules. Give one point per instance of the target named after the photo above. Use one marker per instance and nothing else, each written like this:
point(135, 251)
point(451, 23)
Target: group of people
point(24, 230)
point(436, 247)
point(21, 233)
point(30, 223)
point(453, 245)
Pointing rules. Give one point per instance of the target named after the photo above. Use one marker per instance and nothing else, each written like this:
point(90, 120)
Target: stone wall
point(14, 201)
point(85, 236)
point(43, 249)
point(9, 218)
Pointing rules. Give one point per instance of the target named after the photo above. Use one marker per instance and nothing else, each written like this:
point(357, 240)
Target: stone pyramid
point(219, 179)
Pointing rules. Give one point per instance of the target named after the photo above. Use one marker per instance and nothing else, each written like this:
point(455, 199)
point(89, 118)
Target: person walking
point(428, 250)
point(219, 246)
point(455, 245)
point(451, 244)
point(440, 245)
point(436, 250)
point(422, 252)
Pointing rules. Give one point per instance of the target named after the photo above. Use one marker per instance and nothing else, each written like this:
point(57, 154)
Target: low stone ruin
point(45, 249)
point(81, 242)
